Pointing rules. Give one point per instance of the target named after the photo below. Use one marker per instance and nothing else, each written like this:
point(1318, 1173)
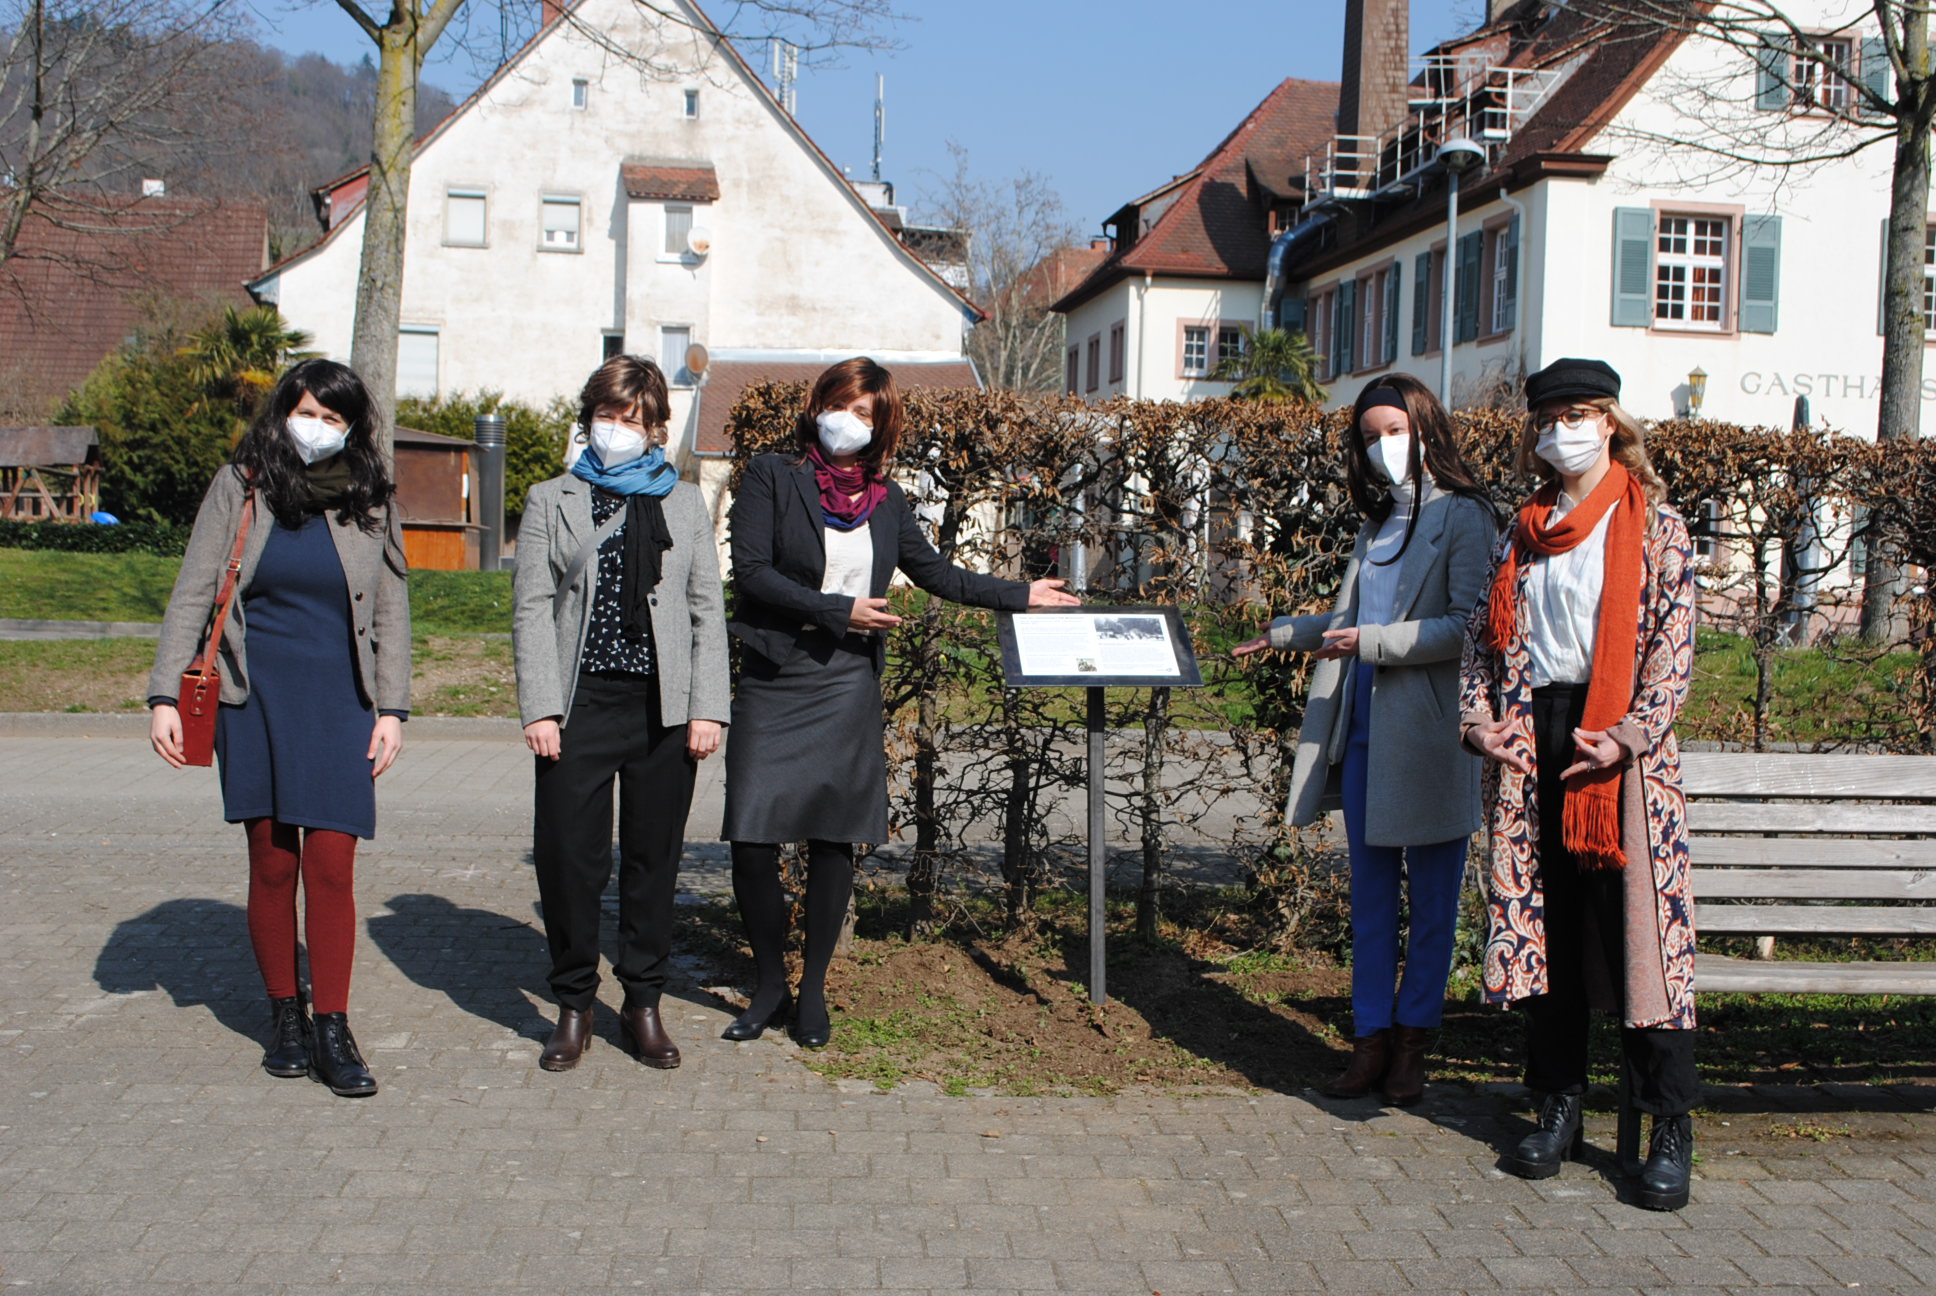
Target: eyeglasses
point(1570, 419)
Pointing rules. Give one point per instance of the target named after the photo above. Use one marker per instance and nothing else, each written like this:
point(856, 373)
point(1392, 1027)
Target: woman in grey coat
point(1381, 727)
point(620, 639)
point(315, 662)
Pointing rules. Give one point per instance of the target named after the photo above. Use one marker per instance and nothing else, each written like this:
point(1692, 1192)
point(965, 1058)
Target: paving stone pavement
point(143, 1150)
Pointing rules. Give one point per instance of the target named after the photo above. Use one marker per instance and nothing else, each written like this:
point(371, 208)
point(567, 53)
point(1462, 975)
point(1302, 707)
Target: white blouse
point(850, 561)
point(1563, 605)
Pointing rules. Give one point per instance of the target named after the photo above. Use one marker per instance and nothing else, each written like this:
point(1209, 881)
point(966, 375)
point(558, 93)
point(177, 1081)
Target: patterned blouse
point(607, 650)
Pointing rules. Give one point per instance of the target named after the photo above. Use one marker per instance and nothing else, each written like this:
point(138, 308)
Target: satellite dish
point(697, 359)
point(699, 241)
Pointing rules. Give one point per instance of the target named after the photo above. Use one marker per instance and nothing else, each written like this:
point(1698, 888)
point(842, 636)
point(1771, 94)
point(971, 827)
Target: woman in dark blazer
point(315, 687)
point(816, 536)
point(1381, 726)
point(620, 639)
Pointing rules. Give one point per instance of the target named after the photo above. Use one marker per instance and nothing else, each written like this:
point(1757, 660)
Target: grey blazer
point(688, 612)
point(1424, 786)
point(374, 568)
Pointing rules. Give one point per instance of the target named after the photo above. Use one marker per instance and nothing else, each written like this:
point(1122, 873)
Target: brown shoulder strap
point(226, 598)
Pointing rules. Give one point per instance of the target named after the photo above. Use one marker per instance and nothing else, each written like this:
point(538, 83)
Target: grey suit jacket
point(549, 626)
point(374, 568)
point(1424, 786)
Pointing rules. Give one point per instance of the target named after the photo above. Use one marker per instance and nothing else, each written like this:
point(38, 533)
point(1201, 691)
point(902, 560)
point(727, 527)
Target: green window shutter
point(1509, 249)
point(1771, 74)
point(1877, 76)
point(1633, 267)
point(1291, 314)
point(1344, 341)
point(1392, 281)
point(1472, 250)
point(1760, 273)
point(1421, 302)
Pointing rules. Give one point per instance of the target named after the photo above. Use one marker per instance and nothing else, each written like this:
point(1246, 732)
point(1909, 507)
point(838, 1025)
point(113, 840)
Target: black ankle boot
point(1670, 1164)
point(334, 1061)
point(1560, 1135)
point(752, 1024)
point(289, 1031)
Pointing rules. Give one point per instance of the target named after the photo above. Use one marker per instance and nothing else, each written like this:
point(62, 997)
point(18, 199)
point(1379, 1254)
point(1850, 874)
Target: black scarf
point(645, 541)
point(329, 483)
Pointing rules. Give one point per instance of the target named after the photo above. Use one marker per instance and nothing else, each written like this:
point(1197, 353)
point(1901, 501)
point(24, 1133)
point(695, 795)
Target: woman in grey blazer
point(315, 687)
point(620, 639)
point(1381, 727)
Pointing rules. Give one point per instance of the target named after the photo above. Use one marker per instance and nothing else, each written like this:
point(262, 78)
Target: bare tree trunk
point(386, 209)
point(1902, 306)
point(924, 870)
point(1156, 725)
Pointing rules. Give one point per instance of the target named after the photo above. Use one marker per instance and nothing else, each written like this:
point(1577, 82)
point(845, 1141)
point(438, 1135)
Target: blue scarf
point(649, 474)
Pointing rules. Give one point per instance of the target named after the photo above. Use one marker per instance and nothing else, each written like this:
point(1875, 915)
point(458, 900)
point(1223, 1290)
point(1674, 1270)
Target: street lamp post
point(1457, 156)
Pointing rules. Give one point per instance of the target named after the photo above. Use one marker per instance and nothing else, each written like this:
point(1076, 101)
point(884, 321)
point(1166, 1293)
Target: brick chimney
point(1377, 50)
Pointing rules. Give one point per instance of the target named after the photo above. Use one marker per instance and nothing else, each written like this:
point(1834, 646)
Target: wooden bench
point(1807, 839)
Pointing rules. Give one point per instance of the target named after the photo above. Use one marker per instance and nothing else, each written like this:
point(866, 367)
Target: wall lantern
point(1696, 391)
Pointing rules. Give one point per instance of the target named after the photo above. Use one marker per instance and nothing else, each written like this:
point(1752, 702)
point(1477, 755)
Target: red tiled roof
point(728, 378)
point(1215, 226)
point(680, 181)
point(69, 297)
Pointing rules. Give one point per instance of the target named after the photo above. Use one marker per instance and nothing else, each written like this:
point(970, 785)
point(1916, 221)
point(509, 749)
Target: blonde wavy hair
point(1629, 447)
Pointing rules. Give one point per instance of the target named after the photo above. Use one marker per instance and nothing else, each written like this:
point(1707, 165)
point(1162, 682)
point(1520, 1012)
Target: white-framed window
point(558, 221)
point(1691, 273)
point(678, 227)
point(674, 341)
point(464, 217)
point(417, 346)
point(1819, 86)
point(691, 104)
point(1929, 278)
point(581, 92)
point(1196, 350)
point(1230, 342)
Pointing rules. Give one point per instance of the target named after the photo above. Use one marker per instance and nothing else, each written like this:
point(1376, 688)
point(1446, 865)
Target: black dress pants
point(1586, 920)
point(614, 732)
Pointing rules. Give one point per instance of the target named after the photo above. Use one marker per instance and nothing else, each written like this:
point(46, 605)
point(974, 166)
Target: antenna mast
point(786, 70)
point(880, 120)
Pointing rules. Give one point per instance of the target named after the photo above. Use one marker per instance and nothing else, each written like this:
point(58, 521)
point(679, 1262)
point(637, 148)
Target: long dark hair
point(1432, 440)
point(269, 458)
point(841, 385)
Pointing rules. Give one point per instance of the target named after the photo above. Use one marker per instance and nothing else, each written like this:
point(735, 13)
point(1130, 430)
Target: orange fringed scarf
point(1591, 821)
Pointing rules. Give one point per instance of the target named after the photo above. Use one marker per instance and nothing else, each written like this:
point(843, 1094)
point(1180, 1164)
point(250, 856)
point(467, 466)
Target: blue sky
point(1105, 100)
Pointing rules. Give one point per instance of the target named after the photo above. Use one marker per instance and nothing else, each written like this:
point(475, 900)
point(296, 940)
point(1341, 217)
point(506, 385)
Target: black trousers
point(614, 733)
point(1586, 921)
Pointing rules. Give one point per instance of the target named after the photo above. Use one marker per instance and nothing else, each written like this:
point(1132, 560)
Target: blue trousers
point(1433, 875)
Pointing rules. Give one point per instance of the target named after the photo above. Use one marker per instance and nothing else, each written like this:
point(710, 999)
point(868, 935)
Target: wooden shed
point(49, 474)
point(435, 489)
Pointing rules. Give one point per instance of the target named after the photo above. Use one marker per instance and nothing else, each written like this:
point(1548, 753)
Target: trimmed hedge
point(166, 539)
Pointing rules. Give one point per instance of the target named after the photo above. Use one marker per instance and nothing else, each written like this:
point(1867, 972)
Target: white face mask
point(1392, 456)
point(842, 432)
point(1571, 450)
point(316, 438)
point(616, 443)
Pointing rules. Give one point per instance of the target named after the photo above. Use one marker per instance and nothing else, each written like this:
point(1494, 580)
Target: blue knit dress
point(296, 750)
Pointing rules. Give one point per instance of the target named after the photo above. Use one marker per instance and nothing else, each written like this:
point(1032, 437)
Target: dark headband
point(1383, 396)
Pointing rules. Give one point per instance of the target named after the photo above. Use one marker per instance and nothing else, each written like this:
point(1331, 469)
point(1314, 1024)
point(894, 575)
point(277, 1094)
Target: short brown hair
point(626, 381)
point(841, 385)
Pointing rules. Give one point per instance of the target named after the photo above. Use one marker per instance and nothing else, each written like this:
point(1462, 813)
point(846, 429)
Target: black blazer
point(780, 557)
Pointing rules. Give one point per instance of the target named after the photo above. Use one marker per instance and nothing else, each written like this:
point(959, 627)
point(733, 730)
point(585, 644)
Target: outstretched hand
point(1050, 592)
point(1260, 644)
point(871, 614)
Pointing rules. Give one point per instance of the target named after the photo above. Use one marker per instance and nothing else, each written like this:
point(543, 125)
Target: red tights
point(279, 855)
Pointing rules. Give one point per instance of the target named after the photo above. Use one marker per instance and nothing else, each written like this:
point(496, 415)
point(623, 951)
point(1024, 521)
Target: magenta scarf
point(848, 497)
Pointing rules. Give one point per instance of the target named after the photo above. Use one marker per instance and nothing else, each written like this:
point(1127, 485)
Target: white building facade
point(582, 204)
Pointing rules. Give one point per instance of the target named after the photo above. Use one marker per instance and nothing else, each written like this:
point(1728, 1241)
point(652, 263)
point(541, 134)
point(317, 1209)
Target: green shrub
point(163, 538)
point(534, 447)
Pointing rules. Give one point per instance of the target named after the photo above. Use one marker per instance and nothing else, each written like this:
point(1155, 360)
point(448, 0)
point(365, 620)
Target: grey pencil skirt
point(806, 758)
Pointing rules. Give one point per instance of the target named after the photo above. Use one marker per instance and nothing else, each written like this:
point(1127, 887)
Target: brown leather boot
point(568, 1039)
point(1366, 1068)
point(647, 1036)
point(1405, 1077)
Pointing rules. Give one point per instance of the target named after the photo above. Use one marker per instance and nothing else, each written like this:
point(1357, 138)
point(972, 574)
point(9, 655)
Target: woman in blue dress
point(315, 663)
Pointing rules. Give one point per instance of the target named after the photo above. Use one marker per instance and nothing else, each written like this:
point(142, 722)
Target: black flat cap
point(1571, 379)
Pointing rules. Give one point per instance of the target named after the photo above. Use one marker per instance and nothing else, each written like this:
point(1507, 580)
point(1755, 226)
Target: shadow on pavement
point(489, 964)
point(197, 950)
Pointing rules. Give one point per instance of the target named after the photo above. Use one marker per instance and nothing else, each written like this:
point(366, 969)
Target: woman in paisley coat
point(1574, 670)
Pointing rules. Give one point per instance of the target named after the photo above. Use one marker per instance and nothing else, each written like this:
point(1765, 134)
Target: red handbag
point(201, 684)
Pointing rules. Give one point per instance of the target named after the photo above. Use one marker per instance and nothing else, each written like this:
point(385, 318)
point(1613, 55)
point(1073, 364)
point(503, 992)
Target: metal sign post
point(1093, 648)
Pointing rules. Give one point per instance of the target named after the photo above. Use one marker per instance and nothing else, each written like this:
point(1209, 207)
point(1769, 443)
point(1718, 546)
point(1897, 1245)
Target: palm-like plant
point(1274, 365)
point(238, 358)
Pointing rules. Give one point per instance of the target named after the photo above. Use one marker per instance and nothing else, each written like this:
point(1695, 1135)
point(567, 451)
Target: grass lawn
point(38, 584)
